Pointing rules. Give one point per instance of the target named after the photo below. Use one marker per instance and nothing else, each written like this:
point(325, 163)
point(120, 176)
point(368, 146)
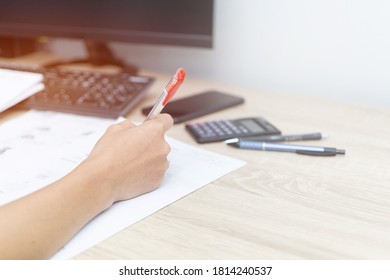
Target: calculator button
point(225, 128)
point(207, 129)
point(199, 131)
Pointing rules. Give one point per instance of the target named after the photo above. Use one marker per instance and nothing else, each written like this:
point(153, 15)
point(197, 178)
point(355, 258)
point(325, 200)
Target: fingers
point(126, 124)
point(165, 119)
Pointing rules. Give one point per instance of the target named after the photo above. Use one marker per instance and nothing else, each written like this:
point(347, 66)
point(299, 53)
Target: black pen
point(285, 138)
point(299, 149)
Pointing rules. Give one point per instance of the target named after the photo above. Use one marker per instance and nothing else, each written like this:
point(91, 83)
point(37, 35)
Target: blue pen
point(299, 149)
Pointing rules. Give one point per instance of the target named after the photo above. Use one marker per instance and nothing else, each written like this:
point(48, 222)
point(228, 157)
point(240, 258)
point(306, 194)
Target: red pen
point(169, 91)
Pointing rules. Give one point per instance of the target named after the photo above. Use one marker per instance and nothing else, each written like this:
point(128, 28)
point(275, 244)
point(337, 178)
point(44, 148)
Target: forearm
point(39, 224)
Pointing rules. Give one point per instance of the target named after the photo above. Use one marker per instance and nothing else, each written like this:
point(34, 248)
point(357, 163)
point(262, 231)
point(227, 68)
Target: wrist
point(92, 179)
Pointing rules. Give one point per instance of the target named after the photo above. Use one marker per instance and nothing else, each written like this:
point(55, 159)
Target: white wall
point(334, 48)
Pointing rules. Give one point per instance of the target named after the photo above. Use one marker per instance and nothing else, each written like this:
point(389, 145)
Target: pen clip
point(174, 85)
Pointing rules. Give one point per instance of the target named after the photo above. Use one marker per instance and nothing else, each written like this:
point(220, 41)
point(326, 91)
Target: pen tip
point(341, 152)
point(324, 135)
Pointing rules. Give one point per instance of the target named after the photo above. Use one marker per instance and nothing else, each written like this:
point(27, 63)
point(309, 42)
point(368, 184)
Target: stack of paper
point(16, 86)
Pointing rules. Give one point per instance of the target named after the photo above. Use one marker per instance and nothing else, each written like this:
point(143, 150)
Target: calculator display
point(252, 125)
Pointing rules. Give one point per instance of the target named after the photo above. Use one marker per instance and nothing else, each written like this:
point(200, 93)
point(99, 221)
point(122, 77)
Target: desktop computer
point(168, 22)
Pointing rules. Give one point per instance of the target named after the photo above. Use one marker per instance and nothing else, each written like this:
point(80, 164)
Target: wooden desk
point(280, 205)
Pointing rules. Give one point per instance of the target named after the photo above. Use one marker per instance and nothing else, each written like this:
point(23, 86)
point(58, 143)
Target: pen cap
point(174, 84)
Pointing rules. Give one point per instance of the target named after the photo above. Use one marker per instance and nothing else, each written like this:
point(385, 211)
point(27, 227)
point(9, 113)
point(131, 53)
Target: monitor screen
point(168, 22)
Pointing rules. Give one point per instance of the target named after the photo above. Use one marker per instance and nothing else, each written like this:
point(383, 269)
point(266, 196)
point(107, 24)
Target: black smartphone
point(197, 105)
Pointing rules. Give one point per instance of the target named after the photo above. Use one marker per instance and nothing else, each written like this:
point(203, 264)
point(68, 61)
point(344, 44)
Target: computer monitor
point(167, 22)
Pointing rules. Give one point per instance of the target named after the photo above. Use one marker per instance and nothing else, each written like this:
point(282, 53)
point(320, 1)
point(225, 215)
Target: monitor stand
point(11, 47)
point(100, 55)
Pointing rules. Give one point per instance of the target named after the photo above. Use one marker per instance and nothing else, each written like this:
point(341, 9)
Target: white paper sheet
point(16, 86)
point(39, 148)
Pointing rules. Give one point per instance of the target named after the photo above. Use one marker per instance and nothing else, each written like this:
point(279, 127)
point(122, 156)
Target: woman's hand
point(131, 160)
point(126, 162)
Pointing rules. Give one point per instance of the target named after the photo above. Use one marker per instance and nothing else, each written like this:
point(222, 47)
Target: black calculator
point(214, 131)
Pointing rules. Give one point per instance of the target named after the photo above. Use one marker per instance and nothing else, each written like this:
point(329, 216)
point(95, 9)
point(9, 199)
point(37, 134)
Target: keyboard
point(88, 93)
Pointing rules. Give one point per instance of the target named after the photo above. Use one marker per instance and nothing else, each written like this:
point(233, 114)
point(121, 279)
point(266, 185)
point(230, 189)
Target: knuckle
point(166, 148)
point(113, 127)
point(159, 128)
